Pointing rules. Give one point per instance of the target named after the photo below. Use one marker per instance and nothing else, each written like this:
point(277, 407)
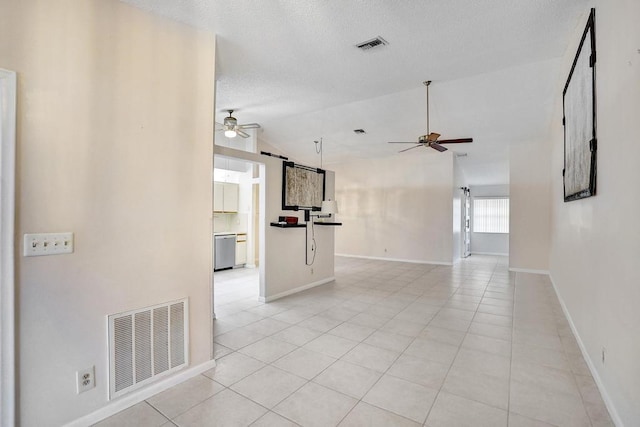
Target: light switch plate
point(48, 244)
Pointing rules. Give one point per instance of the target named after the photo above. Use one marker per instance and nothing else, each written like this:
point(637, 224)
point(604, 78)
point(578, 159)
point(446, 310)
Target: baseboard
point(528, 270)
point(490, 253)
point(413, 261)
point(296, 290)
point(138, 396)
point(615, 417)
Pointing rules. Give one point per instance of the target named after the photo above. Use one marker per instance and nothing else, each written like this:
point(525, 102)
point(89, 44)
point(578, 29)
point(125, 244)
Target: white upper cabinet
point(225, 197)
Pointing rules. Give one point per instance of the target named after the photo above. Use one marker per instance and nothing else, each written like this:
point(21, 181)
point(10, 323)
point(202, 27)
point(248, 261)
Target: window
point(491, 215)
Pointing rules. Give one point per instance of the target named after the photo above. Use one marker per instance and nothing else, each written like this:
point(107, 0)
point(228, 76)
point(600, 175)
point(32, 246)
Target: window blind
point(491, 215)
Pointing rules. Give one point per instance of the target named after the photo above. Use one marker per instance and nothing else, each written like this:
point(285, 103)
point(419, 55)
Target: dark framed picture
point(579, 119)
point(302, 187)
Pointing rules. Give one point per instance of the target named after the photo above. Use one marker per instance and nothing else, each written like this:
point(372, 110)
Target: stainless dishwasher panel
point(225, 251)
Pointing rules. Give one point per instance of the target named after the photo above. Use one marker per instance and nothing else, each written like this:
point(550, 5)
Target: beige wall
point(399, 207)
point(596, 241)
point(529, 204)
point(114, 144)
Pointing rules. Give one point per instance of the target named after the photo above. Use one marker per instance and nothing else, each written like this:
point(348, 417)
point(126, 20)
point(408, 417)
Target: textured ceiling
point(292, 66)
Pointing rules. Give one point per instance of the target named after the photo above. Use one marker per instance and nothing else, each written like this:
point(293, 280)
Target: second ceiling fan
point(431, 138)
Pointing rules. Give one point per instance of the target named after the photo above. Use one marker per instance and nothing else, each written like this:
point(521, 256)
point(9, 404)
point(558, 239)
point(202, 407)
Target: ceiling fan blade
point(438, 147)
point(433, 137)
point(410, 148)
point(242, 134)
point(249, 126)
point(402, 142)
point(455, 141)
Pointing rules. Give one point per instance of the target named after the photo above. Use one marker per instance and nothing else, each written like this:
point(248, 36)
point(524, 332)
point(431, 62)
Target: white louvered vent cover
point(147, 343)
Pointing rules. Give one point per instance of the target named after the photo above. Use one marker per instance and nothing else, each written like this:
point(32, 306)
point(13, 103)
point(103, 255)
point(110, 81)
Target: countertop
point(228, 233)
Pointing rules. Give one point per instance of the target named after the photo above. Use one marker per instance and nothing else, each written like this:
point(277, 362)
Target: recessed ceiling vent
point(359, 131)
point(370, 44)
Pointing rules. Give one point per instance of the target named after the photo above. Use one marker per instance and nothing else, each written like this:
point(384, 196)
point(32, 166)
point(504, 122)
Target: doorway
point(238, 288)
point(7, 278)
point(466, 222)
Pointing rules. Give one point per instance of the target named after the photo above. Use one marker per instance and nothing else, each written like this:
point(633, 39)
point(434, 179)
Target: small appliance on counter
point(288, 219)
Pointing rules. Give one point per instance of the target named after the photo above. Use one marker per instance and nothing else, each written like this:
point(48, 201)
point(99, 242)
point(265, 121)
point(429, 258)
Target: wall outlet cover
point(85, 379)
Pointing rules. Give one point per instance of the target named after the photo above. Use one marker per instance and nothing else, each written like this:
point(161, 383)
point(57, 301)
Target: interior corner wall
point(529, 206)
point(397, 208)
point(596, 241)
point(115, 133)
point(489, 243)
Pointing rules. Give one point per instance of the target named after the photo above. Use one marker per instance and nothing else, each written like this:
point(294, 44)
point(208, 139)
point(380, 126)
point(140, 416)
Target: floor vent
point(369, 44)
point(145, 344)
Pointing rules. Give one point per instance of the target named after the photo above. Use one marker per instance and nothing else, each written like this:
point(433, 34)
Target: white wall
point(114, 144)
point(489, 243)
point(529, 206)
point(284, 269)
point(398, 207)
point(596, 241)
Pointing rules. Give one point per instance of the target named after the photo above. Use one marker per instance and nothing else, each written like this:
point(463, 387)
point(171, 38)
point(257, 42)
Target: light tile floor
point(388, 344)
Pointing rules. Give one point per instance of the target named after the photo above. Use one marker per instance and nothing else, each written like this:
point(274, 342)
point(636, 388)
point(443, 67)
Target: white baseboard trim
point(296, 290)
point(615, 417)
point(413, 261)
point(528, 270)
point(138, 396)
point(490, 253)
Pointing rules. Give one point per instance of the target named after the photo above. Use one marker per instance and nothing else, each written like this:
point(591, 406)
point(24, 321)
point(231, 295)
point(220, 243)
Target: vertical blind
point(491, 215)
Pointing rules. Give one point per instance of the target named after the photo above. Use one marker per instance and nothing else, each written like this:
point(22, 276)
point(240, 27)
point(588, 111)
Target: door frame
point(8, 97)
point(258, 233)
point(466, 222)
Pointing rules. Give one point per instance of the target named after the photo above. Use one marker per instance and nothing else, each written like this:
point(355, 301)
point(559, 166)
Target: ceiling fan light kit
point(431, 138)
point(232, 129)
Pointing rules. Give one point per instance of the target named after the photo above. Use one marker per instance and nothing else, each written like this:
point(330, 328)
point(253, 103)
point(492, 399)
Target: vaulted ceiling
point(293, 67)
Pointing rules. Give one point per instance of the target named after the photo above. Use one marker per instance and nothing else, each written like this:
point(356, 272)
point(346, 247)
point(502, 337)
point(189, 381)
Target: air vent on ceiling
point(369, 44)
point(359, 131)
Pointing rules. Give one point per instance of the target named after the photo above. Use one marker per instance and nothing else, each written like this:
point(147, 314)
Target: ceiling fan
point(231, 127)
point(431, 138)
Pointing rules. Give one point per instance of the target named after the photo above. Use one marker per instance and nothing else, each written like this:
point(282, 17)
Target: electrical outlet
point(48, 244)
point(85, 379)
point(604, 350)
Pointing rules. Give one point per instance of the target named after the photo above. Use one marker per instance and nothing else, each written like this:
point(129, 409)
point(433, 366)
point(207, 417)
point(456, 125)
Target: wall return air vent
point(370, 44)
point(145, 344)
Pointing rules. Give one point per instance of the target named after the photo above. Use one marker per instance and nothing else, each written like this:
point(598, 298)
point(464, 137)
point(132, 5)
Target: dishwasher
point(225, 251)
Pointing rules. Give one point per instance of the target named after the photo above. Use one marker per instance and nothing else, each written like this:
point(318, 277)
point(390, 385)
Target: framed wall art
point(302, 187)
point(579, 119)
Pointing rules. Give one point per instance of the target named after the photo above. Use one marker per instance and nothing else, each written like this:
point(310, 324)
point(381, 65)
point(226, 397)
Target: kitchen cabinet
point(225, 197)
point(241, 249)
